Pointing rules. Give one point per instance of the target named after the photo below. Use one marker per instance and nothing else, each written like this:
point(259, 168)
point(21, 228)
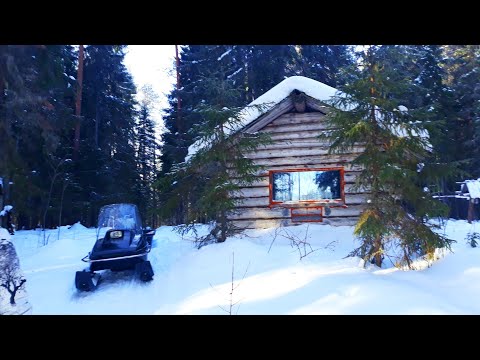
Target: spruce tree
point(422, 67)
point(263, 67)
point(436, 98)
point(322, 62)
point(209, 180)
point(107, 170)
point(368, 113)
point(37, 102)
point(197, 62)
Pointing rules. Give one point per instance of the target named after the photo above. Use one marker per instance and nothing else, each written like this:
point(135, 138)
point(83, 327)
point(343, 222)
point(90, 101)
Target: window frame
point(307, 203)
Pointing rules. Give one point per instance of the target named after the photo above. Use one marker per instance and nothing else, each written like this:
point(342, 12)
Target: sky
point(154, 65)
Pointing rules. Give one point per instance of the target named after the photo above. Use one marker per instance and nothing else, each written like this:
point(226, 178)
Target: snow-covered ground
point(266, 280)
point(11, 274)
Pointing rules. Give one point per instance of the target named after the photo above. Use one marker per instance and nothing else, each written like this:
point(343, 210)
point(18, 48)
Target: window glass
point(306, 185)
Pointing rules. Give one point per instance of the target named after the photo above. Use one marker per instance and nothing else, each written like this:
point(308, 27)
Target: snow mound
point(4, 235)
point(77, 226)
point(5, 209)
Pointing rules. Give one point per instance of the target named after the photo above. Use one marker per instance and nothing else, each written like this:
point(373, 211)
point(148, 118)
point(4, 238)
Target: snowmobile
point(121, 244)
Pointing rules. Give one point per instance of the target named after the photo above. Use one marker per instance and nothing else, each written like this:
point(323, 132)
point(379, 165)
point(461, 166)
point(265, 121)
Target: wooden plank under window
point(307, 214)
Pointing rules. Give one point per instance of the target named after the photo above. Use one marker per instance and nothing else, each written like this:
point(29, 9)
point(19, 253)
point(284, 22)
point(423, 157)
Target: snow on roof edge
point(282, 90)
point(272, 97)
point(473, 187)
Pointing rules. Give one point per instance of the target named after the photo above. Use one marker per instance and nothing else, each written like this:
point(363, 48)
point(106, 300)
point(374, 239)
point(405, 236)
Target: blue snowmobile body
point(121, 244)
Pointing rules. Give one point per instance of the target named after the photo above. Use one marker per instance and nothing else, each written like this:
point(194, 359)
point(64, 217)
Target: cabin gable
point(297, 152)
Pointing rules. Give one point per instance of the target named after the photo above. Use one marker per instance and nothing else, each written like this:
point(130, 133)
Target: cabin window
point(325, 185)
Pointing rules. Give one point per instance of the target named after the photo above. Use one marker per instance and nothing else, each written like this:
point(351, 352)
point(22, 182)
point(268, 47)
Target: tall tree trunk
point(97, 118)
point(181, 211)
point(2, 191)
point(5, 198)
point(223, 226)
point(245, 81)
point(378, 251)
point(78, 103)
point(54, 177)
point(179, 100)
point(64, 187)
point(377, 244)
point(224, 195)
point(47, 206)
point(154, 190)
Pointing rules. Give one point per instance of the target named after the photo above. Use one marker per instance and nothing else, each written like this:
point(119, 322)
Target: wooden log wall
point(296, 145)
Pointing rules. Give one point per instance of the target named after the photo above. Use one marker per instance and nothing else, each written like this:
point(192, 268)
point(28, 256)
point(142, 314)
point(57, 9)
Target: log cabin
point(300, 182)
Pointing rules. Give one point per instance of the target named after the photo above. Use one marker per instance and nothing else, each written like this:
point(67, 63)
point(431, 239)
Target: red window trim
point(318, 203)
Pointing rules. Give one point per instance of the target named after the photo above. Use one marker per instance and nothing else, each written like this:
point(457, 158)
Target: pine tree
point(370, 114)
point(37, 102)
point(107, 170)
point(35, 115)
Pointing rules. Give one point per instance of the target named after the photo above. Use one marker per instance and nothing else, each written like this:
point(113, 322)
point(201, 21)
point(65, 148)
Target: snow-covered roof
point(473, 188)
point(272, 97)
point(5, 209)
point(282, 90)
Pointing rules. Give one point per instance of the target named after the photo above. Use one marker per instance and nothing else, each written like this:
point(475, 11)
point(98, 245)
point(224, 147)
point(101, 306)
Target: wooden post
point(78, 103)
point(471, 210)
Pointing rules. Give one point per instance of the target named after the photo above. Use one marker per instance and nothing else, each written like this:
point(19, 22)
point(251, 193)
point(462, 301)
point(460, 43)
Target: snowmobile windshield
point(118, 217)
